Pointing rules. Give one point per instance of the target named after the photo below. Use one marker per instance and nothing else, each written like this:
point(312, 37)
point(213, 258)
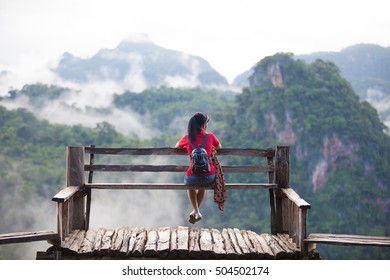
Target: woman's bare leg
point(201, 193)
point(192, 197)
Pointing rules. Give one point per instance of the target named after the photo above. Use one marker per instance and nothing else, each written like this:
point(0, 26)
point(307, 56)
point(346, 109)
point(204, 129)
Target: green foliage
point(315, 104)
point(32, 162)
point(169, 109)
point(38, 94)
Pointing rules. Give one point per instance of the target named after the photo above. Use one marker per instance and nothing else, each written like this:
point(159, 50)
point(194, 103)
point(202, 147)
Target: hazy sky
point(231, 34)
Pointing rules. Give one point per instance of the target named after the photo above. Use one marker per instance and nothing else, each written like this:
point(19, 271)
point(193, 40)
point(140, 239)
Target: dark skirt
point(199, 180)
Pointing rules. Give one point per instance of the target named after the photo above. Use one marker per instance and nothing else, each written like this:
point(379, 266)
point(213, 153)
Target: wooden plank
point(117, 239)
point(268, 253)
point(282, 166)
point(66, 193)
point(256, 245)
point(206, 243)
point(77, 243)
point(67, 243)
point(275, 247)
point(75, 166)
point(348, 240)
point(286, 249)
point(193, 243)
point(173, 252)
point(349, 236)
point(88, 243)
point(63, 220)
point(30, 236)
point(124, 250)
point(182, 241)
point(139, 246)
point(218, 244)
point(290, 244)
point(302, 221)
point(107, 241)
point(134, 168)
point(75, 177)
point(171, 168)
point(89, 192)
point(234, 242)
point(271, 192)
point(241, 243)
point(98, 241)
point(294, 197)
point(252, 251)
point(133, 239)
point(151, 243)
point(173, 186)
point(229, 247)
point(173, 151)
point(164, 237)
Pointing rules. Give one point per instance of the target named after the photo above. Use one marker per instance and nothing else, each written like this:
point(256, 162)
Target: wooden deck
point(180, 243)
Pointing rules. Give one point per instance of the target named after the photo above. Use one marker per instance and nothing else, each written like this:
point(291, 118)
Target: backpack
point(199, 158)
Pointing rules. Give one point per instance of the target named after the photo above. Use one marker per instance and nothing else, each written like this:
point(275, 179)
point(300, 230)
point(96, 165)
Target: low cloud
point(86, 104)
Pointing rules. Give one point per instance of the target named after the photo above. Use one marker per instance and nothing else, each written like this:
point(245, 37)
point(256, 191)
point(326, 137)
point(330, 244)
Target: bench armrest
point(66, 193)
point(294, 197)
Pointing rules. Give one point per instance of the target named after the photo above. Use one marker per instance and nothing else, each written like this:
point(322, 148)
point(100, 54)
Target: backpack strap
point(192, 145)
point(204, 142)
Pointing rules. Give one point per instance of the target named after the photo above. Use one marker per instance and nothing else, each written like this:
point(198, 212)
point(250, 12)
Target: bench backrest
point(172, 153)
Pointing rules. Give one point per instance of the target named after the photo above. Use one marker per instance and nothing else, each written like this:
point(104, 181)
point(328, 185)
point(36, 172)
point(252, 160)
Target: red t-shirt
point(212, 140)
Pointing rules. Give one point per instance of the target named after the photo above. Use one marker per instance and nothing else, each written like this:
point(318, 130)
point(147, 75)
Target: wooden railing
point(288, 210)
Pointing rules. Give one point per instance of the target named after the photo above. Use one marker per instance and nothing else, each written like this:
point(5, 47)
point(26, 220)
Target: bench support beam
point(71, 211)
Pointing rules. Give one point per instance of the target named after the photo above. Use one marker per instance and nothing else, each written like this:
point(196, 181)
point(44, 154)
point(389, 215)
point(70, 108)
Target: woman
point(196, 132)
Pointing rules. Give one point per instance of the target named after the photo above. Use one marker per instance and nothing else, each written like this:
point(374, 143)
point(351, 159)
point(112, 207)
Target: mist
point(26, 211)
point(84, 104)
point(91, 102)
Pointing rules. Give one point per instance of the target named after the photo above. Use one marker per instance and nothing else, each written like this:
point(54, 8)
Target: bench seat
point(172, 186)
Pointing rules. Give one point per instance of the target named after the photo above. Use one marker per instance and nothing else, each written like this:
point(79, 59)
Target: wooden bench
point(288, 210)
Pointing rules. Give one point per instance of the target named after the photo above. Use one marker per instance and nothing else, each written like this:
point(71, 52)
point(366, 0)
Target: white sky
point(231, 34)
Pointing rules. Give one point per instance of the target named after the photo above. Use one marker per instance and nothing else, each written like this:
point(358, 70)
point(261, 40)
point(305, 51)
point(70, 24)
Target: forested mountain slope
point(340, 155)
point(365, 66)
point(32, 170)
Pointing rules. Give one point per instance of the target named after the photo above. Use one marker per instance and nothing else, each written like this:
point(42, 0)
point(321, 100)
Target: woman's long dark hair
point(195, 124)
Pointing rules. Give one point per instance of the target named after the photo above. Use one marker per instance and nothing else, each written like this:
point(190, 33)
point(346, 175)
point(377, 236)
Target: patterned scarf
point(219, 185)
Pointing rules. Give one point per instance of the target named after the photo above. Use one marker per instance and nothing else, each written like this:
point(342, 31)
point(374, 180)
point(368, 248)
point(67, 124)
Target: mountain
point(340, 155)
point(365, 66)
point(138, 64)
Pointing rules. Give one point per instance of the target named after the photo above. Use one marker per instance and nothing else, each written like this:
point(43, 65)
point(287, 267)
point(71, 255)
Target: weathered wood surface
point(19, 237)
point(66, 193)
point(294, 197)
point(348, 240)
point(171, 168)
point(180, 243)
point(173, 186)
point(174, 151)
